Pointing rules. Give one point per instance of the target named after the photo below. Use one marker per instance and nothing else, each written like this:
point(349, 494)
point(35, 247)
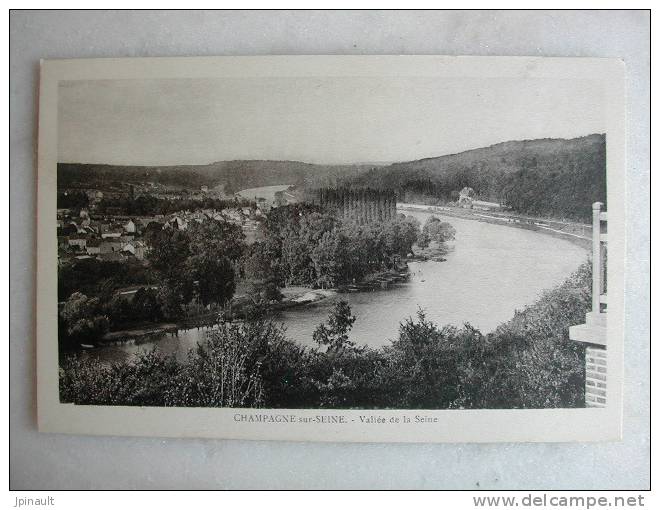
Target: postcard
point(332, 248)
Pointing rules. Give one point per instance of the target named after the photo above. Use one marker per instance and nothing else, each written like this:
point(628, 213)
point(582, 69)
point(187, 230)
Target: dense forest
point(547, 177)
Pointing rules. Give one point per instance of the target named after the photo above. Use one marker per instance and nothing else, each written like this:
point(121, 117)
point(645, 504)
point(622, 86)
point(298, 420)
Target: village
point(109, 236)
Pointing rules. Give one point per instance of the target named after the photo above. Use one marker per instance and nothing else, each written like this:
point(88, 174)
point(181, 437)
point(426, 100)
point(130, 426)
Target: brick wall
point(596, 380)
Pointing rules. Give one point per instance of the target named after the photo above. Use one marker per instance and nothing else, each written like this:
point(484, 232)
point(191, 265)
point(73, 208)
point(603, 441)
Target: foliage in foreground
point(528, 362)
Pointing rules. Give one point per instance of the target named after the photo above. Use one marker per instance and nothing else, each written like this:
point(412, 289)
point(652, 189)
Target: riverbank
point(576, 233)
point(292, 297)
point(489, 273)
point(138, 332)
point(533, 345)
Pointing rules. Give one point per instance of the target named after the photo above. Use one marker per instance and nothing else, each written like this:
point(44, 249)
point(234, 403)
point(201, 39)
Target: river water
point(491, 271)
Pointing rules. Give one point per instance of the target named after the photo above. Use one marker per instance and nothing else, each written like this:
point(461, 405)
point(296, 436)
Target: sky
point(316, 120)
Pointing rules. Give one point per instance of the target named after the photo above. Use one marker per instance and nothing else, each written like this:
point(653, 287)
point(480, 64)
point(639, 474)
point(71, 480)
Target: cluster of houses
point(120, 238)
point(245, 217)
point(111, 240)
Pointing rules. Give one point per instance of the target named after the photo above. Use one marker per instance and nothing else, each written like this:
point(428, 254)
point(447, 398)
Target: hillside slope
point(235, 175)
point(546, 177)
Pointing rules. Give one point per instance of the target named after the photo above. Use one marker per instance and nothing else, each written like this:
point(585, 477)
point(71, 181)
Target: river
point(491, 271)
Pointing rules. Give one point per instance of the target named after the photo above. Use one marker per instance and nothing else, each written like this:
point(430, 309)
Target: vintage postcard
point(332, 248)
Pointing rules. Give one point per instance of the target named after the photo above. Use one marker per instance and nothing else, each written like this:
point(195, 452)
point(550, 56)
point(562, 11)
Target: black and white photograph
point(305, 243)
point(391, 241)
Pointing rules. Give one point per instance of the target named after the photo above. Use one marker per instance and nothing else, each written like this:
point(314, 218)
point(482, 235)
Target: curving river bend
point(492, 271)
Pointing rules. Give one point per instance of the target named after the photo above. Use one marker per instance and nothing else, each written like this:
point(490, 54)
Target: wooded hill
point(235, 175)
point(546, 177)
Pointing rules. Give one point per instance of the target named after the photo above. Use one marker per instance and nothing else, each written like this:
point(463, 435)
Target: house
point(465, 198)
point(78, 242)
point(212, 214)
point(129, 227)
point(485, 206)
point(93, 247)
point(87, 230)
point(111, 234)
point(233, 215)
point(141, 250)
point(136, 248)
point(176, 223)
point(84, 218)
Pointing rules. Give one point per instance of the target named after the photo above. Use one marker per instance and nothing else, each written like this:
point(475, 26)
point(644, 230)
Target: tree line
point(302, 245)
point(148, 205)
point(198, 264)
point(547, 178)
point(528, 362)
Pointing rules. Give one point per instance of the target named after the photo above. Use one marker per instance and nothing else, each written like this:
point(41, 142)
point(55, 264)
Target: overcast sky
point(317, 120)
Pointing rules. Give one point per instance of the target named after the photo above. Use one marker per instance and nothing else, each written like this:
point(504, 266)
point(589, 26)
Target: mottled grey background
point(40, 461)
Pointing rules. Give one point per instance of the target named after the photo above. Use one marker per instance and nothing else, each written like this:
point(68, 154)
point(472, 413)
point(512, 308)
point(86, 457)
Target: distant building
point(485, 206)
point(93, 247)
point(233, 215)
point(112, 234)
point(84, 218)
point(129, 227)
point(176, 223)
point(78, 242)
point(136, 248)
point(465, 197)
